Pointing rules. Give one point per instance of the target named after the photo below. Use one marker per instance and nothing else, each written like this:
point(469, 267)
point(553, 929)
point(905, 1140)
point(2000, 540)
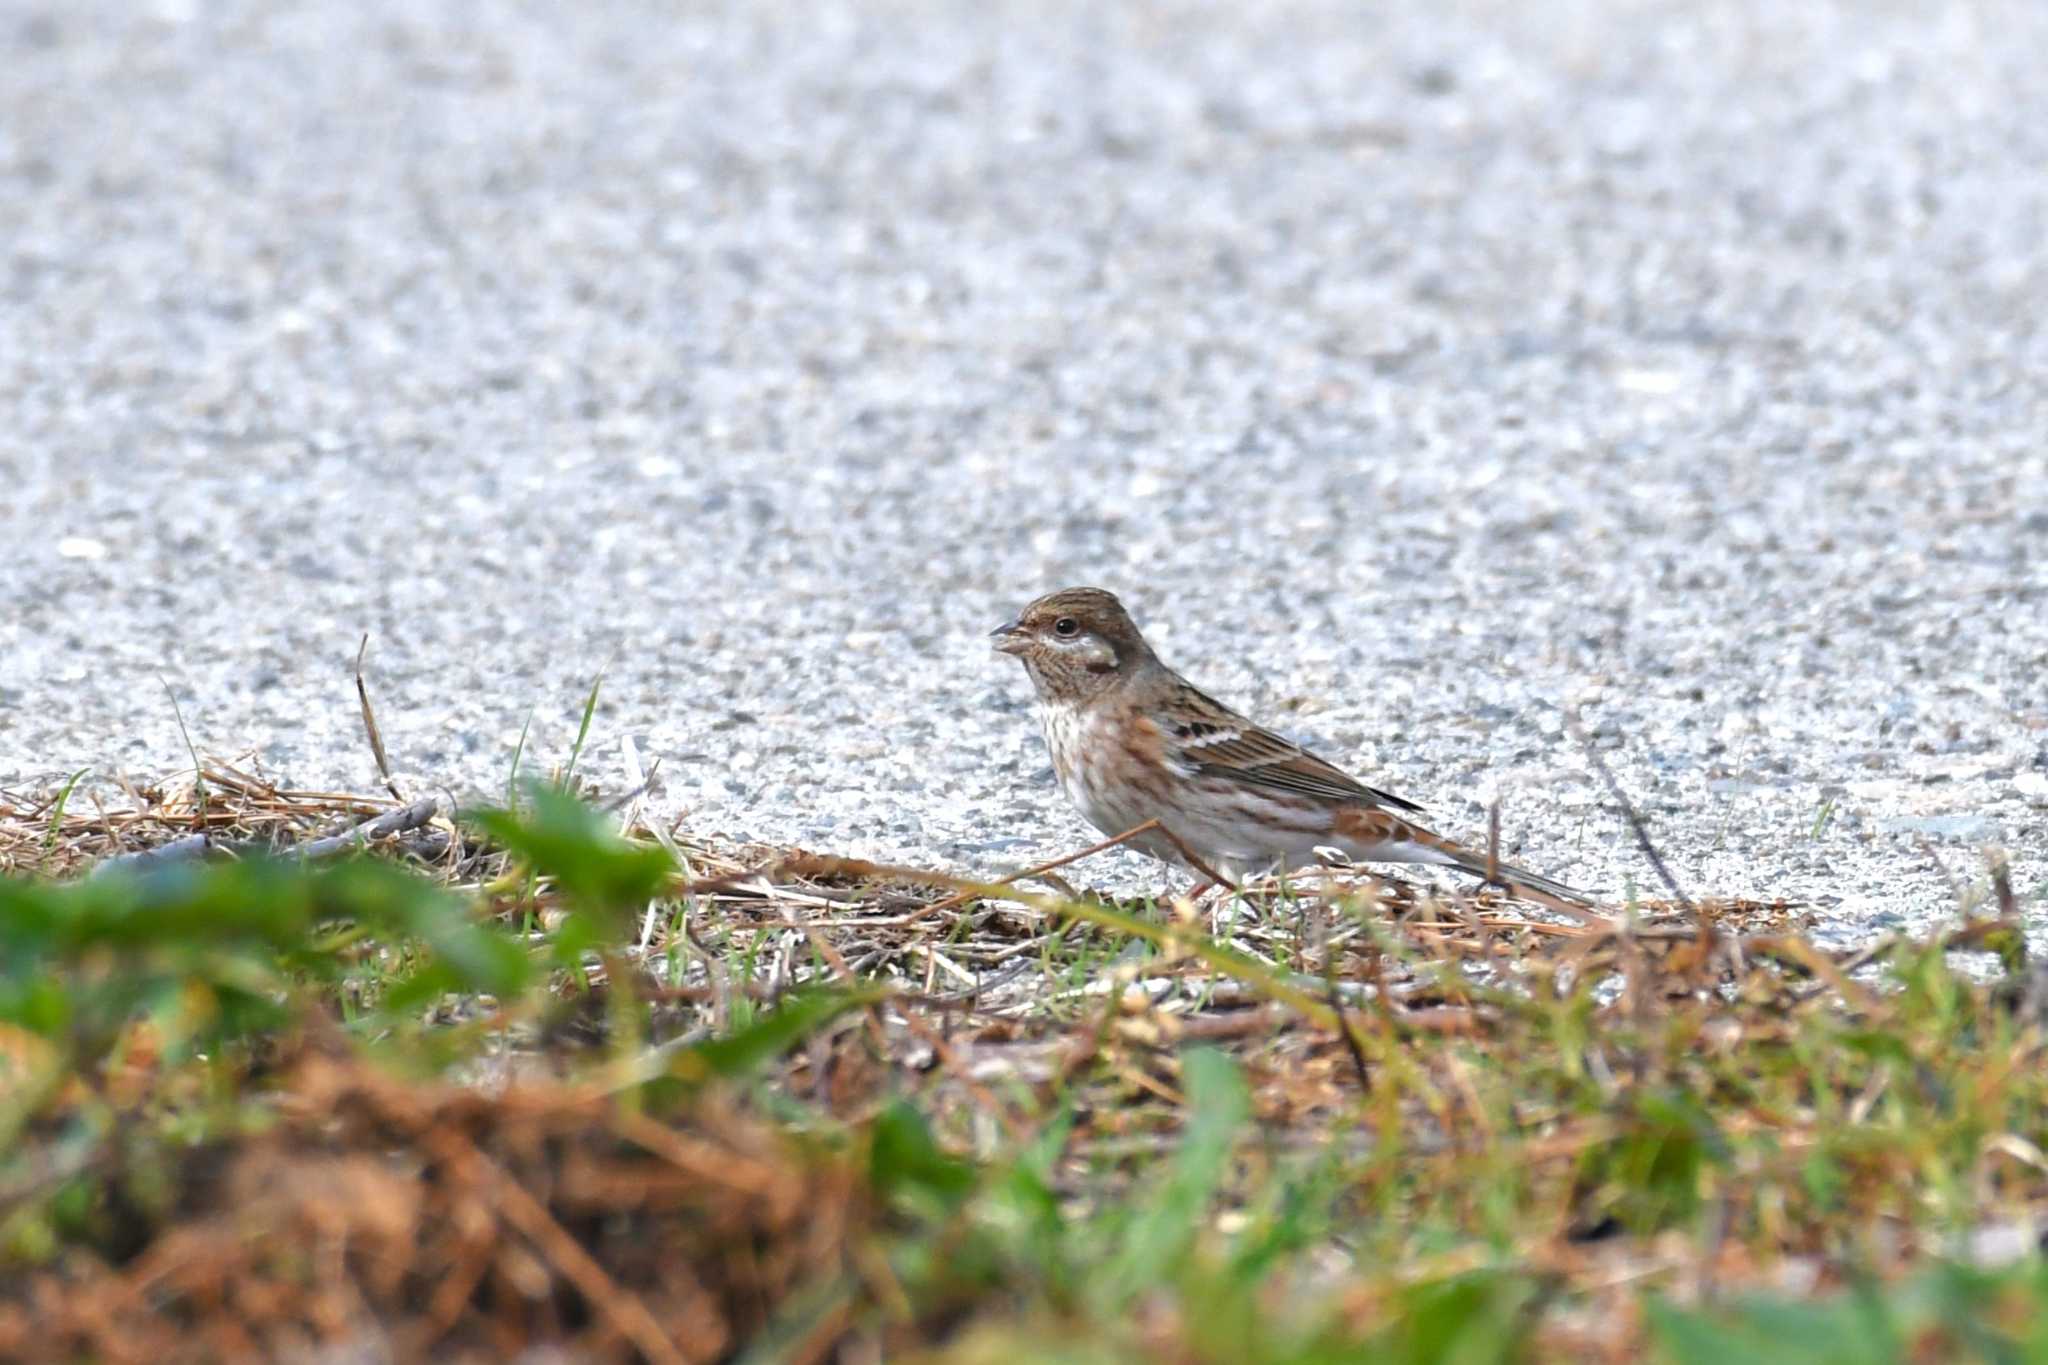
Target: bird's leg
point(1188, 856)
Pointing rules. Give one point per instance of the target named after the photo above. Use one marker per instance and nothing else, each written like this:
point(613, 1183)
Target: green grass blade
point(518, 752)
point(57, 819)
point(583, 727)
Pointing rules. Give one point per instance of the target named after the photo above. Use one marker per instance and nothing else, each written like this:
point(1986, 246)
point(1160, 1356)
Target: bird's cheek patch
point(1096, 657)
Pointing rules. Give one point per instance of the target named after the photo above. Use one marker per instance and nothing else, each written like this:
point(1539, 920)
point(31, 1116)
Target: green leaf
point(903, 1159)
point(1480, 1318)
point(578, 848)
point(1835, 1331)
point(39, 1004)
point(802, 1014)
point(216, 951)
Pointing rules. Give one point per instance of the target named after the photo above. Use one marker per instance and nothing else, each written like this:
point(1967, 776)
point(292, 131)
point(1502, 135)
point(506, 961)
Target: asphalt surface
point(1416, 372)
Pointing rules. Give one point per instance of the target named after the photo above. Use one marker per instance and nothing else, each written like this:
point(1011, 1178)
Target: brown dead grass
point(424, 1219)
point(415, 1220)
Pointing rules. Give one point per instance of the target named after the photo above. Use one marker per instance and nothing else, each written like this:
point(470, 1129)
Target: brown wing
point(1211, 739)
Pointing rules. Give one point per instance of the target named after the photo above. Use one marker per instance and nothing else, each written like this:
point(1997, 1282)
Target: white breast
point(1076, 748)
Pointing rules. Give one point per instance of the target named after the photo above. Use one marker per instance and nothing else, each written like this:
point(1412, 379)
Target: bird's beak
point(1010, 639)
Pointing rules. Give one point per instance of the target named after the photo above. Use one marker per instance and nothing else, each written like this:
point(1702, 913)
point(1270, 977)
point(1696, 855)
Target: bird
point(1133, 741)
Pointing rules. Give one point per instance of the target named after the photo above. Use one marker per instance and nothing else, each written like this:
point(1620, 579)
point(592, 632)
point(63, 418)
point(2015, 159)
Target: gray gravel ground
point(1415, 371)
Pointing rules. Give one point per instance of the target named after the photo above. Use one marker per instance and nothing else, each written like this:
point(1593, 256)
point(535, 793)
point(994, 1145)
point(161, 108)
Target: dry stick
point(971, 997)
point(1955, 888)
point(2001, 883)
point(390, 822)
point(1981, 935)
point(1635, 819)
point(198, 769)
point(1493, 843)
point(962, 897)
point(234, 779)
point(701, 1160)
point(837, 962)
point(176, 851)
point(1797, 952)
point(619, 804)
point(370, 723)
point(451, 1298)
point(106, 820)
point(396, 821)
point(1472, 917)
point(127, 784)
point(617, 1305)
point(1344, 1022)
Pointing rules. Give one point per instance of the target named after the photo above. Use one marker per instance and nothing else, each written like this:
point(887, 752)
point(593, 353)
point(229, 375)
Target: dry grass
point(1574, 1126)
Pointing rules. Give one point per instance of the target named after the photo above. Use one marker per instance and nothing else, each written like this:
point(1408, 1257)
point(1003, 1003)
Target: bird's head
point(1075, 643)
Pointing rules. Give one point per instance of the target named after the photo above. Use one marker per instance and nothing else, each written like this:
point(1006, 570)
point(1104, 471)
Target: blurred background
point(1416, 372)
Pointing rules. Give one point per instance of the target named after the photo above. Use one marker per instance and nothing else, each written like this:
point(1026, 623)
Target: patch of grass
point(56, 826)
point(838, 1110)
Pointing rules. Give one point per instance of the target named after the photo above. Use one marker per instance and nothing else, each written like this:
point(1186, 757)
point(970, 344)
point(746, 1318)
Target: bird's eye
point(1066, 627)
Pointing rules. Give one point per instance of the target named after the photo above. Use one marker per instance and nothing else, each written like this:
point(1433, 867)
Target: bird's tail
point(1517, 881)
point(1374, 834)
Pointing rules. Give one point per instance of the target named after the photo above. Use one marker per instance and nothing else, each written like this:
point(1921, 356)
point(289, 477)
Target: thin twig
point(2001, 883)
point(1493, 842)
point(198, 773)
point(370, 723)
point(962, 897)
point(1343, 1020)
point(1955, 888)
point(1628, 809)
